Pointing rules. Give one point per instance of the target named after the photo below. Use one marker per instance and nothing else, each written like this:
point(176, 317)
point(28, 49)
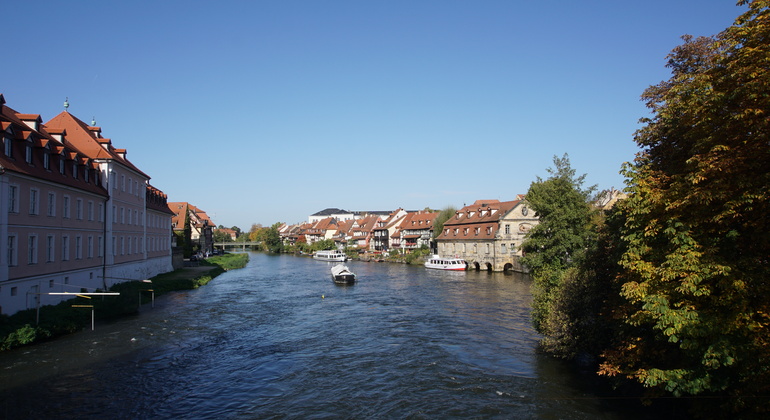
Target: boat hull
point(341, 274)
point(335, 256)
point(450, 264)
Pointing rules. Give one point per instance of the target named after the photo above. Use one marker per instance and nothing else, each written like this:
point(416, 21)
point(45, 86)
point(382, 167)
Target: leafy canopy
point(696, 264)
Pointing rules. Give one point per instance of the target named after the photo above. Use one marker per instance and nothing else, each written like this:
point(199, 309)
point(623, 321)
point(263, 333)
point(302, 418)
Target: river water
point(278, 339)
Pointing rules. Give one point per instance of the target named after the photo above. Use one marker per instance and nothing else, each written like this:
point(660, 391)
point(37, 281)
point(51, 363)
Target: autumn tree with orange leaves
point(695, 274)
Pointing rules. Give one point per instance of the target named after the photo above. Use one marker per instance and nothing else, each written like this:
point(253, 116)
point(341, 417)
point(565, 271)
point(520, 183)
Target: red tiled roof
point(84, 139)
point(477, 221)
point(11, 120)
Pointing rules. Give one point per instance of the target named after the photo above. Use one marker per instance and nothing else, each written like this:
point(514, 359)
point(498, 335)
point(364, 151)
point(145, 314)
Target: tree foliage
point(444, 215)
point(561, 237)
point(696, 268)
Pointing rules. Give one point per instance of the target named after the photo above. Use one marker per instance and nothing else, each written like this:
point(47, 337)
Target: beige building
point(488, 234)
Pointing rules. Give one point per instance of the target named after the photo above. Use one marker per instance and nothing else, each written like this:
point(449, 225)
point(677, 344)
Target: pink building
point(75, 213)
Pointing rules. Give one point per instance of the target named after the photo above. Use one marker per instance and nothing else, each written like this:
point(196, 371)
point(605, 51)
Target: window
point(46, 160)
point(114, 246)
point(122, 182)
point(28, 153)
point(12, 250)
point(65, 248)
point(50, 284)
point(122, 215)
point(75, 170)
point(66, 207)
point(61, 164)
point(100, 246)
point(113, 180)
point(90, 211)
point(8, 142)
point(513, 248)
point(130, 186)
point(14, 291)
point(13, 199)
point(101, 212)
point(122, 246)
point(507, 230)
point(79, 209)
point(78, 248)
point(52, 204)
point(114, 214)
point(34, 205)
point(49, 248)
point(476, 231)
point(502, 248)
point(32, 247)
point(487, 248)
point(90, 247)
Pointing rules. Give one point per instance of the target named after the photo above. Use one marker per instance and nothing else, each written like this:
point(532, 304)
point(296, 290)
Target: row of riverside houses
point(487, 234)
point(76, 215)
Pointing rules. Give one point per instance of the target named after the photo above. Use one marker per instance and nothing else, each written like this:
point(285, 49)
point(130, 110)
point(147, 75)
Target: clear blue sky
point(268, 111)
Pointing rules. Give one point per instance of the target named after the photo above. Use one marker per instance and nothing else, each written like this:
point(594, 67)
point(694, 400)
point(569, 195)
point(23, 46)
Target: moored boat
point(439, 263)
point(341, 274)
point(330, 255)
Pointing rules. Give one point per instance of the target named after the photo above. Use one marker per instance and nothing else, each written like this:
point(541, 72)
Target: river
point(278, 339)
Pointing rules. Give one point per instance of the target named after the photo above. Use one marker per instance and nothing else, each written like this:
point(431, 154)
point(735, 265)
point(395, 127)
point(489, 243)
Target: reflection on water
point(279, 340)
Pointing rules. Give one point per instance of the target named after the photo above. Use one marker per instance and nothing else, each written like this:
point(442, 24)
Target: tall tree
point(697, 266)
point(560, 238)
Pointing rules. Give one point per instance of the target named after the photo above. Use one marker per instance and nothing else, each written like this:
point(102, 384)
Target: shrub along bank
point(50, 321)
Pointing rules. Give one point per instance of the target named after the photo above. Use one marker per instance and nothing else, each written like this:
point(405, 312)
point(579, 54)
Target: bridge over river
point(230, 245)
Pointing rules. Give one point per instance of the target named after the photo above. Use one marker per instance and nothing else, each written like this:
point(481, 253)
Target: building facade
point(488, 234)
point(75, 213)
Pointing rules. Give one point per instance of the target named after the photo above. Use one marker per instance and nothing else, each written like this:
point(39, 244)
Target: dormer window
point(74, 170)
point(61, 166)
point(46, 160)
point(28, 153)
point(85, 174)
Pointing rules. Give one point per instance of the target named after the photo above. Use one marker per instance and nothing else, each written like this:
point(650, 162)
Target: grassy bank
point(23, 327)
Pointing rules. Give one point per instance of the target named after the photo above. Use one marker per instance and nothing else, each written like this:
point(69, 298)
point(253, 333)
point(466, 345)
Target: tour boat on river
point(341, 274)
point(440, 263)
point(330, 255)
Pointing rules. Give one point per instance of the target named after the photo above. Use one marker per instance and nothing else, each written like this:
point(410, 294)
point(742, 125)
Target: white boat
point(341, 274)
point(440, 263)
point(331, 255)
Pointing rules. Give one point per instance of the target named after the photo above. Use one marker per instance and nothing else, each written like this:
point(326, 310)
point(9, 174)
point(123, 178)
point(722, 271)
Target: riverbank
point(33, 325)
